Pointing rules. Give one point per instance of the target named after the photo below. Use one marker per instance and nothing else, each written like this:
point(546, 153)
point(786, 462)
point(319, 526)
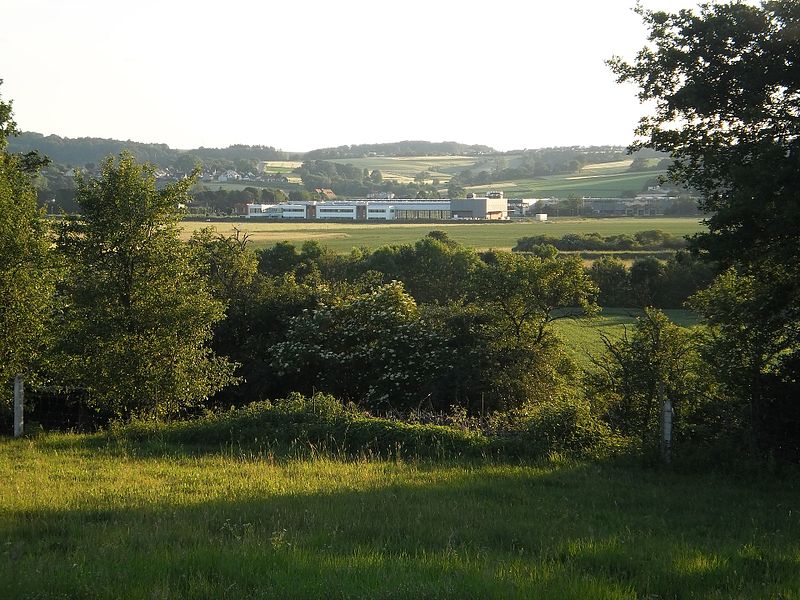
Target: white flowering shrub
point(371, 348)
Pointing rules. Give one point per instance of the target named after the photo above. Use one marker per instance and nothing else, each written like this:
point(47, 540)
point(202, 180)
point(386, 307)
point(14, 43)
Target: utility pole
point(19, 398)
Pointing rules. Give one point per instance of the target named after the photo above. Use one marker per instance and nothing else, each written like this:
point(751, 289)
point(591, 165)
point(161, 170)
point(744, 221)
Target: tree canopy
point(726, 87)
point(26, 276)
point(140, 314)
point(725, 81)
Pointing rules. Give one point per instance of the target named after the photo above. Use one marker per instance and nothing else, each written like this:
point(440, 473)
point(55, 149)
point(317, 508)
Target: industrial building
point(384, 210)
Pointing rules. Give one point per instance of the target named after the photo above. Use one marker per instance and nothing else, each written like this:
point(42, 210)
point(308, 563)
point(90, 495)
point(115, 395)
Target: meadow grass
point(342, 237)
point(85, 518)
point(583, 339)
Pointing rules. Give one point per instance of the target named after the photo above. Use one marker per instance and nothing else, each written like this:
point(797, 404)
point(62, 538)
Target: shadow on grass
point(459, 531)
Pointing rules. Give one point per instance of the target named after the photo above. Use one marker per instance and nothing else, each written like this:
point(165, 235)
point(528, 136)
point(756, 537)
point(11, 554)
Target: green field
point(111, 520)
point(600, 180)
point(342, 237)
point(610, 180)
point(582, 337)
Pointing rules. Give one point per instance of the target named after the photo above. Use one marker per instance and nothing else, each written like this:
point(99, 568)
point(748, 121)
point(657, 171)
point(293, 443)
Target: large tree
point(726, 87)
point(725, 80)
point(26, 274)
point(140, 314)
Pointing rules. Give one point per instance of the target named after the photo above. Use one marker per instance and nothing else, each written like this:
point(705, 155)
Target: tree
point(729, 77)
point(751, 347)
point(140, 314)
point(369, 347)
point(522, 296)
point(726, 86)
point(624, 387)
point(188, 162)
point(26, 262)
point(612, 279)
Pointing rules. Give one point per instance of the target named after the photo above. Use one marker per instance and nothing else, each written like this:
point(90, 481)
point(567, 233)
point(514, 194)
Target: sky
point(305, 74)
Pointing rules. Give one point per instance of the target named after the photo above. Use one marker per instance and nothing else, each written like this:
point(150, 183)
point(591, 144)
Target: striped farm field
point(594, 183)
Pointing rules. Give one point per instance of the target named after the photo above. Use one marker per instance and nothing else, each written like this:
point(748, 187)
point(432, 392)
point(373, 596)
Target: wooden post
point(19, 400)
point(666, 426)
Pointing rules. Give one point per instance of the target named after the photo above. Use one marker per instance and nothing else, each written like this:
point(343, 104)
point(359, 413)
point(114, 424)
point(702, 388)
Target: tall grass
point(127, 516)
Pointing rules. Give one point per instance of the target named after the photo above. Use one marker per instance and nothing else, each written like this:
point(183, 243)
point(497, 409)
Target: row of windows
point(422, 214)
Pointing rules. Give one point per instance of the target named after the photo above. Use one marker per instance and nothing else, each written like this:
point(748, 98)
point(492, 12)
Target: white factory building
point(385, 210)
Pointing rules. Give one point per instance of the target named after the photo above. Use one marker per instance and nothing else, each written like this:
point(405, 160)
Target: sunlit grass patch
point(85, 518)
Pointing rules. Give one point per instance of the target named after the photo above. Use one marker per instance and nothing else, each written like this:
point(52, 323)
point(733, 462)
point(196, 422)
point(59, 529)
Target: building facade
point(362, 210)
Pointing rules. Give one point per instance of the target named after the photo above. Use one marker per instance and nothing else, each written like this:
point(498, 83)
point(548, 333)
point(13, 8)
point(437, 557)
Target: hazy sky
point(304, 74)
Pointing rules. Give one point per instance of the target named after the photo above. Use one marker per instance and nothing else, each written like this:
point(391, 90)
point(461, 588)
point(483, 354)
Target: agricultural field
point(89, 517)
point(342, 237)
point(603, 180)
point(611, 179)
point(404, 168)
point(281, 166)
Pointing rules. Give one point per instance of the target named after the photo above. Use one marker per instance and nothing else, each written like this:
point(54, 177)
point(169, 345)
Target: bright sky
point(305, 74)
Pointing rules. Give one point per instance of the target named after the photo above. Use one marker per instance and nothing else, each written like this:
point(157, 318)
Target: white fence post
point(666, 426)
point(19, 400)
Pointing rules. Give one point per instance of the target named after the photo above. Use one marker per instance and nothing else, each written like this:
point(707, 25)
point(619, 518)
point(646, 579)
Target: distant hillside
point(81, 151)
point(406, 148)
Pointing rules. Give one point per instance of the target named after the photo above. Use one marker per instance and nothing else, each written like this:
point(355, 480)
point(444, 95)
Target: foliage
point(649, 281)
point(435, 269)
point(727, 76)
point(320, 424)
point(625, 387)
point(26, 263)
point(405, 148)
point(752, 348)
point(80, 151)
point(371, 348)
point(612, 279)
point(738, 142)
point(526, 291)
point(641, 240)
point(139, 316)
point(520, 296)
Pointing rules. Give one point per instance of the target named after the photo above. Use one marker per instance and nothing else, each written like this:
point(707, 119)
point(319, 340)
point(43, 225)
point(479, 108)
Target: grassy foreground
point(81, 520)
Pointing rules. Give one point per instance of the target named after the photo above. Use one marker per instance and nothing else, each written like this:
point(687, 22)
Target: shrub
point(301, 426)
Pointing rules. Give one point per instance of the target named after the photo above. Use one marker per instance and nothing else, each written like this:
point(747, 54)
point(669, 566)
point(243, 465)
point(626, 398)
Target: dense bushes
point(643, 240)
point(650, 281)
point(321, 424)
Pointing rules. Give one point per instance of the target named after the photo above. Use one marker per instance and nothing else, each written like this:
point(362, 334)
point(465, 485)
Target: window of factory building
point(421, 214)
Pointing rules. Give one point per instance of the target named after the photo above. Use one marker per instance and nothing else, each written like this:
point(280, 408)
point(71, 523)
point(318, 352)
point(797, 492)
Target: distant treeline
point(406, 148)
point(82, 151)
point(653, 239)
